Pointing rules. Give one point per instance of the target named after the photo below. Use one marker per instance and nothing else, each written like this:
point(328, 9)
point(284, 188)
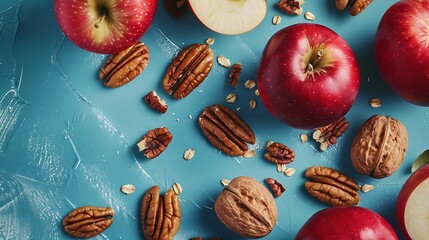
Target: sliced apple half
point(230, 17)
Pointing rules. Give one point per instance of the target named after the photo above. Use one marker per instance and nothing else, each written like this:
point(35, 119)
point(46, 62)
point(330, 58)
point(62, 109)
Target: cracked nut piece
point(154, 142)
point(279, 153)
point(292, 7)
point(329, 135)
point(379, 147)
point(123, 67)
point(188, 70)
point(247, 208)
point(234, 74)
point(155, 102)
point(226, 130)
point(331, 186)
point(277, 187)
point(357, 6)
point(88, 221)
point(176, 8)
point(160, 215)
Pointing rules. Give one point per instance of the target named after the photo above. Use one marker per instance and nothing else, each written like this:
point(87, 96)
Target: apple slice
point(230, 17)
point(412, 205)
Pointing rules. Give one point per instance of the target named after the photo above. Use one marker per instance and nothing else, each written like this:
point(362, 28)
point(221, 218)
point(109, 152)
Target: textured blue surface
point(68, 141)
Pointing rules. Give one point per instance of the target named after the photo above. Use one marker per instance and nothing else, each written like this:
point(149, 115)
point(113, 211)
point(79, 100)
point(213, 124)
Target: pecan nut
point(277, 187)
point(279, 153)
point(155, 102)
point(154, 142)
point(188, 70)
point(123, 67)
point(160, 215)
point(88, 221)
point(292, 7)
point(379, 147)
point(226, 130)
point(357, 6)
point(329, 135)
point(331, 186)
point(234, 75)
point(176, 8)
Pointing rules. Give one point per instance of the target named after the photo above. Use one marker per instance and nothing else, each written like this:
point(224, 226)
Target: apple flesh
point(308, 76)
point(102, 26)
point(402, 50)
point(412, 205)
point(345, 223)
point(230, 17)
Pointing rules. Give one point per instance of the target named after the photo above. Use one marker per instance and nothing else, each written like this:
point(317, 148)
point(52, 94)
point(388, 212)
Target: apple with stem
point(308, 76)
point(401, 50)
point(230, 17)
point(412, 205)
point(345, 223)
point(102, 26)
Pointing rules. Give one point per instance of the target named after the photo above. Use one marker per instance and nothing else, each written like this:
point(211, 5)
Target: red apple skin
point(303, 100)
point(413, 181)
point(402, 50)
point(346, 223)
point(125, 24)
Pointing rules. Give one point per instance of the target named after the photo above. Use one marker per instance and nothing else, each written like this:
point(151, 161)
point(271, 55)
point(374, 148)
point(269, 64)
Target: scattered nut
point(250, 153)
point(257, 92)
point(329, 135)
point(128, 189)
point(279, 153)
point(252, 104)
point(292, 7)
point(223, 61)
point(231, 98)
point(189, 154)
point(303, 137)
point(290, 171)
point(309, 16)
point(177, 188)
point(154, 142)
point(155, 102)
point(276, 20)
point(367, 187)
point(277, 187)
point(225, 182)
point(234, 75)
point(210, 41)
point(375, 102)
point(281, 168)
point(249, 84)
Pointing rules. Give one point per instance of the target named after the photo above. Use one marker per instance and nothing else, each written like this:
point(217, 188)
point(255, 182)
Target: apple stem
point(98, 23)
point(310, 66)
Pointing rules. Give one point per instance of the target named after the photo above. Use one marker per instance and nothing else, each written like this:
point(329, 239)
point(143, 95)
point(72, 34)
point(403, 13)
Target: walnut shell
point(247, 208)
point(379, 147)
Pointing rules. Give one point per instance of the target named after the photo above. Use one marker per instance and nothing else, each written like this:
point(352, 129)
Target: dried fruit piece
point(176, 8)
point(189, 154)
point(128, 189)
point(154, 142)
point(375, 102)
point(310, 16)
point(331, 186)
point(234, 75)
point(188, 70)
point(210, 41)
point(123, 67)
point(177, 188)
point(289, 171)
point(276, 20)
point(226, 130)
point(292, 7)
point(223, 61)
point(329, 135)
point(279, 153)
point(88, 221)
point(231, 98)
point(155, 102)
point(367, 187)
point(277, 187)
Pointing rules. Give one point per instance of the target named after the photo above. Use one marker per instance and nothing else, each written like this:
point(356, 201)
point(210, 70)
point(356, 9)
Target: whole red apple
point(346, 223)
point(308, 76)
point(402, 50)
point(412, 205)
point(102, 26)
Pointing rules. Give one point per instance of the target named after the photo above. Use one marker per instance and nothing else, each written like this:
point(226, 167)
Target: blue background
point(68, 141)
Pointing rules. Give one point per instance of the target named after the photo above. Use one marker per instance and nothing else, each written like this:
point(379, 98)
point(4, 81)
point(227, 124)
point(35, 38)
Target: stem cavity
point(312, 64)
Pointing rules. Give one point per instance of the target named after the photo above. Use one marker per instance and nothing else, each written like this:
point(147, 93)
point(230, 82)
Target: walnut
point(379, 147)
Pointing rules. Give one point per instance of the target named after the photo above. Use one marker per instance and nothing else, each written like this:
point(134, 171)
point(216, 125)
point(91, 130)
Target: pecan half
point(331, 186)
point(188, 70)
point(234, 75)
point(155, 102)
point(329, 135)
point(176, 8)
point(357, 6)
point(277, 187)
point(88, 221)
point(279, 153)
point(160, 216)
point(154, 142)
point(226, 130)
point(123, 67)
point(292, 7)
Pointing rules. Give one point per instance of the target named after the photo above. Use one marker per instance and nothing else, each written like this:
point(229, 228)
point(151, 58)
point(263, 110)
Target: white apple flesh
point(412, 206)
point(229, 17)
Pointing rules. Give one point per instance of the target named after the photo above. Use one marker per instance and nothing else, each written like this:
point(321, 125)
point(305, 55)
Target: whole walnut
point(379, 147)
point(247, 208)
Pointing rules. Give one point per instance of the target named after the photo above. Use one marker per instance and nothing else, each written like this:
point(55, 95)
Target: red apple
point(346, 223)
point(308, 76)
point(402, 50)
point(104, 26)
point(412, 205)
